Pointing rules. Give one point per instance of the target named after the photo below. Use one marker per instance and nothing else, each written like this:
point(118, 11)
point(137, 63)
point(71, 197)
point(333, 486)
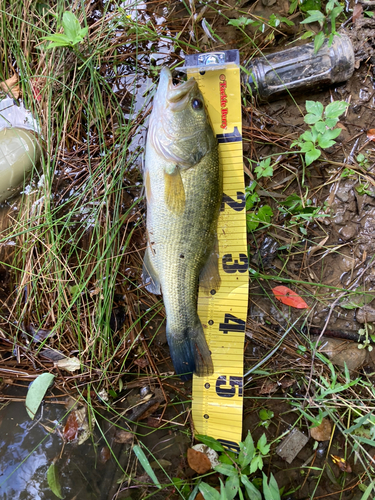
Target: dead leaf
point(198, 461)
point(268, 387)
point(357, 12)
point(339, 125)
point(286, 382)
point(150, 410)
point(160, 463)
point(77, 426)
point(11, 87)
point(124, 437)
point(142, 362)
point(35, 89)
point(70, 432)
point(342, 464)
point(323, 431)
point(104, 454)
point(69, 364)
point(154, 422)
point(371, 134)
point(288, 297)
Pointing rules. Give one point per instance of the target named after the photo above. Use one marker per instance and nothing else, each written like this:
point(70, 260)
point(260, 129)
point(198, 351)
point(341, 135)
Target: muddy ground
point(335, 250)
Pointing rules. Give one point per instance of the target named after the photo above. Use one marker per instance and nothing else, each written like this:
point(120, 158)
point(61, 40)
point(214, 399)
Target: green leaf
point(58, 38)
point(227, 458)
point(324, 142)
point(227, 470)
point(264, 169)
point(271, 490)
point(335, 109)
point(368, 491)
point(247, 451)
point(308, 138)
point(251, 200)
point(241, 22)
point(308, 34)
point(312, 156)
point(252, 221)
point(369, 13)
point(314, 16)
point(53, 480)
point(57, 44)
point(320, 127)
point(208, 492)
point(265, 214)
point(311, 119)
point(231, 486)
point(83, 32)
point(262, 445)
point(146, 464)
point(332, 133)
point(256, 463)
point(307, 5)
point(211, 442)
point(335, 13)
point(315, 108)
point(194, 493)
point(359, 299)
point(307, 146)
point(318, 41)
point(251, 490)
point(71, 25)
point(331, 122)
point(265, 414)
point(36, 393)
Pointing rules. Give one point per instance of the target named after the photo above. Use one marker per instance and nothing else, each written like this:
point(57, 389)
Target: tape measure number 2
point(218, 400)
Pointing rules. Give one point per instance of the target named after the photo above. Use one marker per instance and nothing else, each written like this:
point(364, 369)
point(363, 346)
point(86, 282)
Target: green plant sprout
point(73, 33)
point(260, 24)
point(261, 215)
point(327, 20)
point(238, 468)
point(300, 212)
point(367, 332)
point(322, 132)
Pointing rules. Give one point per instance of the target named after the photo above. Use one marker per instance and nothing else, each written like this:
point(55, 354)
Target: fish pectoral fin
point(174, 192)
point(148, 187)
point(149, 275)
point(209, 278)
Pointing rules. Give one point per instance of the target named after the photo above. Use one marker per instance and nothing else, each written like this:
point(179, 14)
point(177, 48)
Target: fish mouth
point(176, 96)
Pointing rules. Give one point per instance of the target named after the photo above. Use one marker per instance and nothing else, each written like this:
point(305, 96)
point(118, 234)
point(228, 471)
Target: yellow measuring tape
point(218, 399)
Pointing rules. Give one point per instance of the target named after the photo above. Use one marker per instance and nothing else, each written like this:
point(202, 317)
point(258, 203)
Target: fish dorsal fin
point(174, 192)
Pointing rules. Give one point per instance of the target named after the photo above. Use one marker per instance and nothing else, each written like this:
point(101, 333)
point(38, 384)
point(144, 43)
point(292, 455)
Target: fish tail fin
point(189, 351)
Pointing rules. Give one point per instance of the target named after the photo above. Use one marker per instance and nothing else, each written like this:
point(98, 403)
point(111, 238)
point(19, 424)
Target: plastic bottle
point(299, 68)
point(20, 149)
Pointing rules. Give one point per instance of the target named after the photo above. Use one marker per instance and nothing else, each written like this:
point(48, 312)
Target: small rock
point(348, 231)
point(292, 445)
point(323, 431)
point(365, 315)
point(342, 352)
point(123, 437)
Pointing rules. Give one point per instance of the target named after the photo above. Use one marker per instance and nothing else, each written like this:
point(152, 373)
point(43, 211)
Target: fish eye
point(196, 104)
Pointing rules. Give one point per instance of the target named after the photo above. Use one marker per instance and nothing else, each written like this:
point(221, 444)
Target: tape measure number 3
point(218, 399)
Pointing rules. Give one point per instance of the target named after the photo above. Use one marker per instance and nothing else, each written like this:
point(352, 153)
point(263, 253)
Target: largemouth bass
point(183, 186)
